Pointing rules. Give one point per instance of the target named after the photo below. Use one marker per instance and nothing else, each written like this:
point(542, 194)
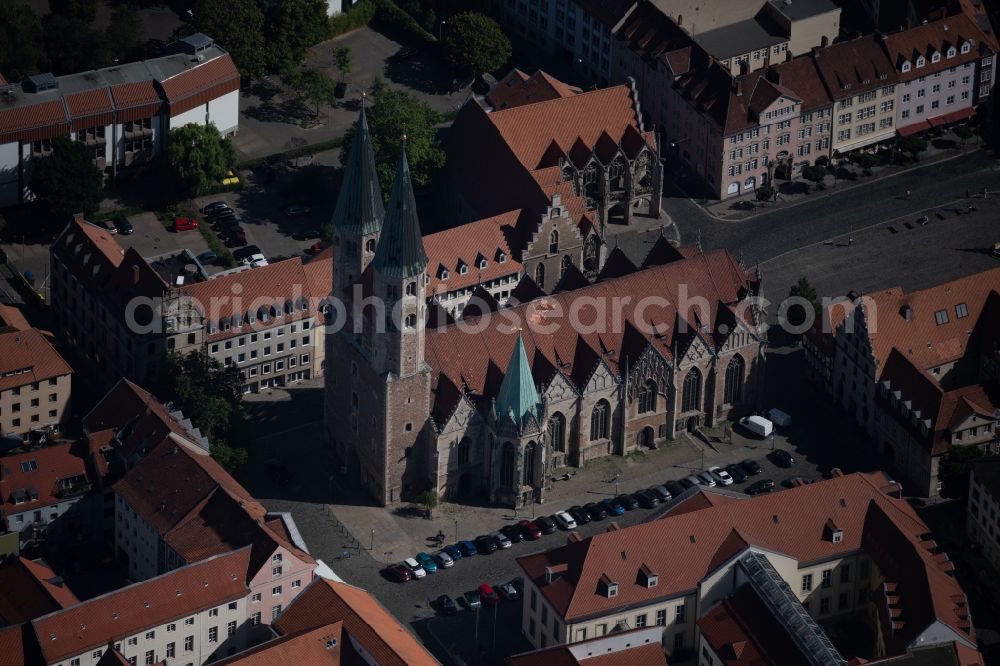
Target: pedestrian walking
point(907, 194)
point(850, 241)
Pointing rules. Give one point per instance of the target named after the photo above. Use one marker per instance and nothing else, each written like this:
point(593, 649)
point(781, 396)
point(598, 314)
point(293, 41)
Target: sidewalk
point(850, 175)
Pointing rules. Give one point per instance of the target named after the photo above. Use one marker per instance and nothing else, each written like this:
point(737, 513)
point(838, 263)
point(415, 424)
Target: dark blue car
point(468, 548)
point(612, 507)
point(454, 552)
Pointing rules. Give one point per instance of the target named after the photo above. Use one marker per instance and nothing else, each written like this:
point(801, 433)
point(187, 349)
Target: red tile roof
point(179, 593)
point(12, 317)
point(855, 66)
point(204, 81)
point(518, 89)
point(638, 647)
point(50, 465)
point(651, 34)
point(466, 243)
point(13, 646)
point(363, 618)
point(44, 120)
point(30, 589)
point(90, 108)
point(136, 100)
point(938, 36)
point(29, 357)
point(321, 646)
point(685, 547)
point(743, 632)
point(801, 76)
point(89, 252)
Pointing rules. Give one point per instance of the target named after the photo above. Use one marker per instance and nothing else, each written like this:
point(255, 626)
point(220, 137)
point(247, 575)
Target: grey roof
point(739, 38)
point(359, 205)
point(400, 252)
point(797, 10)
point(198, 40)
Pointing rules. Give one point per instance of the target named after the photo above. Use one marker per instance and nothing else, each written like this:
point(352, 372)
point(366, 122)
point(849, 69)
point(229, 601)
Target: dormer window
point(906, 66)
point(837, 536)
point(481, 264)
point(463, 269)
point(501, 258)
point(936, 56)
point(966, 47)
point(442, 273)
point(610, 588)
point(951, 51)
point(921, 61)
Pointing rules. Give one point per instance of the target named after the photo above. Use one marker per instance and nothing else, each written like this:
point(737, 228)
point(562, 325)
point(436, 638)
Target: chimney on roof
point(554, 572)
point(612, 527)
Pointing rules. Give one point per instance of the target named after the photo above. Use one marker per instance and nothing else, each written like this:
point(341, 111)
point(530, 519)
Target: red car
point(398, 573)
point(185, 224)
point(530, 530)
point(488, 595)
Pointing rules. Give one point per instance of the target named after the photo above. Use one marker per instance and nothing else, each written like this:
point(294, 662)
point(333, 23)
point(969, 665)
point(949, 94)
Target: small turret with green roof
point(518, 398)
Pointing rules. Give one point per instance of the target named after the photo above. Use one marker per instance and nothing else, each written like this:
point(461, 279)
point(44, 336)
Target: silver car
point(564, 520)
point(502, 541)
point(706, 479)
point(443, 559)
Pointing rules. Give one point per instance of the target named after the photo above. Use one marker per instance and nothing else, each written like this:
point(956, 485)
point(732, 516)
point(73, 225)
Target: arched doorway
point(647, 437)
point(692, 424)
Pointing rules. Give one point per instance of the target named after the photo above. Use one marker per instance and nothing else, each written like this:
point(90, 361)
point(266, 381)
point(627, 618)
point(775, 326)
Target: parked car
point(216, 213)
point(512, 532)
point(545, 524)
point(447, 605)
point(471, 600)
point(779, 418)
point(661, 493)
point(245, 252)
point(108, 226)
point(488, 595)
point(255, 260)
point(689, 482)
point(185, 224)
point(721, 476)
point(312, 233)
point(757, 425)
point(297, 210)
point(223, 224)
point(647, 499)
point(416, 570)
point(454, 552)
point(444, 560)
point(751, 467)
point(530, 530)
point(398, 573)
point(123, 225)
point(705, 479)
point(507, 591)
point(674, 488)
point(627, 501)
point(760, 487)
point(501, 540)
point(468, 548)
point(564, 520)
point(236, 238)
point(595, 511)
point(781, 458)
point(612, 507)
point(485, 544)
point(213, 206)
point(427, 562)
point(231, 179)
point(315, 248)
point(207, 257)
point(579, 514)
point(737, 472)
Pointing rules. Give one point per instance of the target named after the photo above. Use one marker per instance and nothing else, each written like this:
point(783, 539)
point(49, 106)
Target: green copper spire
point(518, 396)
point(359, 204)
point(400, 251)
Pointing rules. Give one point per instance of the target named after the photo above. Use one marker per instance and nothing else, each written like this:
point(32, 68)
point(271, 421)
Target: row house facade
point(813, 566)
point(121, 113)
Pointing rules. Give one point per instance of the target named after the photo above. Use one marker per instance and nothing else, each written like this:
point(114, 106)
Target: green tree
point(815, 173)
point(393, 114)
point(318, 88)
point(239, 25)
point(82, 10)
point(20, 41)
point(429, 500)
point(210, 395)
point(953, 472)
point(294, 26)
point(796, 314)
point(765, 193)
point(475, 44)
point(913, 145)
point(72, 45)
point(68, 181)
point(342, 57)
point(125, 34)
point(964, 133)
point(197, 156)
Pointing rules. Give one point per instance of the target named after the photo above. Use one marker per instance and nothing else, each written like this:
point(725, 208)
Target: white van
point(758, 425)
point(779, 418)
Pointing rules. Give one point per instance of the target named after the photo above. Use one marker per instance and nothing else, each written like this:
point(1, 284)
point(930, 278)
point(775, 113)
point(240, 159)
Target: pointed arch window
point(540, 275)
point(554, 242)
point(508, 463)
point(590, 254)
point(567, 261)
point(691, 393)
point(647, 397)
point(557, 432)
point(370, 245)
point(599, 418)
point(530, 453)
point(734, 380)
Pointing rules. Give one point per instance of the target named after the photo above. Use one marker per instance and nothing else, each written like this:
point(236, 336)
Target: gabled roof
point(936, 36)
point(325, 645)
point(34, 477)
point(854, 66)
point(26, 357)
point(400, 252)
point(179, 593)
point(364, 619)
point(12, 317)
point(359, 204)
point(30, 589)
point(488, 238)
point(518, 89)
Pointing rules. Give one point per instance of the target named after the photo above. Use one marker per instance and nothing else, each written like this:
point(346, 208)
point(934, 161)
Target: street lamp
point(372, 548)
point(440, 29)
point(456, 530)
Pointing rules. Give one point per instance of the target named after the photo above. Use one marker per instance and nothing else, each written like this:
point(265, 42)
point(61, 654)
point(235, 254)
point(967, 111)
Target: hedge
point(359, 15)
point(394, 19)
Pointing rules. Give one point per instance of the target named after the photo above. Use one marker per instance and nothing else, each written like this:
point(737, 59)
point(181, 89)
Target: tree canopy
point(209, 394)
point(294, 25)
point(239, 24)
point(198, 156)
point(796, 313)
point(20, 41)
point(125, 34)
point(68, 181)
point(73, 44)
point(393, 114)
point(912, 145)
point(475, 44)
point(342, 57)
point(953, 472)
point(318, 88)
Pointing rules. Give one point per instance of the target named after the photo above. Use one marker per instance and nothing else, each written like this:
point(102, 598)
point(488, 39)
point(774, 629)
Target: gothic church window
point(647, 397)
point(734, 380)
point(529, 464)
point(508, 462)
point(540, 275)
point(557, 432)
point(691, 394)
point(554, 242)
point(599, 420)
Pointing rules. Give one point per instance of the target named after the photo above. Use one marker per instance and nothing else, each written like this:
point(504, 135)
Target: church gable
point(463, 416)
point(601, 379)
point(696, 351)
point(649, 365)
point(740, 336)
point(556, 217)
point(559, 389)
